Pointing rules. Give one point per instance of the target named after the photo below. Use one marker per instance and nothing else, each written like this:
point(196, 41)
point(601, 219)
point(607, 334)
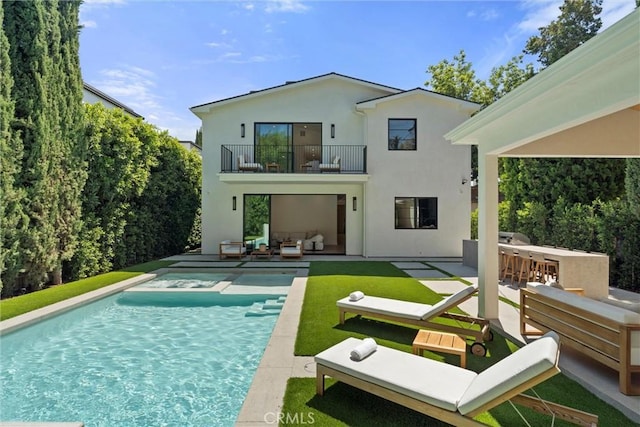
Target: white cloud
point(248, 6)
point(89, 24)
point(218, 44)
point(296, 6)
point(615, 10)
point(540, 14)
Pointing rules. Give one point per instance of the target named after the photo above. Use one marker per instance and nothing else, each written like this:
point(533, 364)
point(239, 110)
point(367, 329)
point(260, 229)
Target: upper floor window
point(402, 134)
point(416, 212)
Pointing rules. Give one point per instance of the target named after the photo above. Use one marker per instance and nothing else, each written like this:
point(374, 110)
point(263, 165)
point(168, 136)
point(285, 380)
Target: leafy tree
point(12, 218)
point(578, 22)
point(456, 78)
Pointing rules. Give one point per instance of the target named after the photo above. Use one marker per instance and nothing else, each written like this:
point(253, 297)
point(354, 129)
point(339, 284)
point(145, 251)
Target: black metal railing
point(294, 159)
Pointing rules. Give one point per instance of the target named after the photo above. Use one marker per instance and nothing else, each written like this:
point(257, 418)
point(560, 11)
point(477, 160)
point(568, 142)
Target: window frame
point(415, 133)
point(415, 216)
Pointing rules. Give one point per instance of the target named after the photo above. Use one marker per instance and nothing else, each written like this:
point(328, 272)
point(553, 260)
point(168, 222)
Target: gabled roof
point(109, 99)
point(204, 108)
point(372, 103)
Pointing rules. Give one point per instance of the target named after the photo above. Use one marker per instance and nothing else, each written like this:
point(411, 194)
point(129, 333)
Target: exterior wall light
point(242, 130)
point(333, 130)
point(355, 203)
point(233, 203)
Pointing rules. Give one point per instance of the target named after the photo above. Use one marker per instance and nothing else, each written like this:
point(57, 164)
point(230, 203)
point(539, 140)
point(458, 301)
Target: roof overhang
point(461, 104)
point(587, 104)
point(206, 108)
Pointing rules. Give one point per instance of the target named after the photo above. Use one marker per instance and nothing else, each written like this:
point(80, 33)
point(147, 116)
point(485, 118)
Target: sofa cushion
point(616, 314)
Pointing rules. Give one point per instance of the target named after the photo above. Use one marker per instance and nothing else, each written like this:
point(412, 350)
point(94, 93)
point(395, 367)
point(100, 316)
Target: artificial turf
point(344, 405)
point(15, 306)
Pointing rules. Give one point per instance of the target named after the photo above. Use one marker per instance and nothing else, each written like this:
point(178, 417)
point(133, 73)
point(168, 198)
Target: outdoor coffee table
point(258, 253)
point(442, 342)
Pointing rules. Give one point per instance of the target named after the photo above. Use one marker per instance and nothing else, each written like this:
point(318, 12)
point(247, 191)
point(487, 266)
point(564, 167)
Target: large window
point(402, 134)
point(416, 212)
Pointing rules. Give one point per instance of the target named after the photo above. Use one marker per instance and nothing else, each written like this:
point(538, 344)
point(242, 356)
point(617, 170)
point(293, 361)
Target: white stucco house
point(362, 164)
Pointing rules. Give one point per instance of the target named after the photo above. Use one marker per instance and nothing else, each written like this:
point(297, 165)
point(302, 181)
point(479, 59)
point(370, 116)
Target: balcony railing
point(294, 159)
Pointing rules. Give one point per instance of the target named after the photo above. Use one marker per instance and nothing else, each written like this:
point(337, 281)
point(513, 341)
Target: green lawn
point(25, 303)
point(344, 405)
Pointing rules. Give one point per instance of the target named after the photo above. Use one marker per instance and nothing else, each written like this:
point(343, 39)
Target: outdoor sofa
point(606, 333)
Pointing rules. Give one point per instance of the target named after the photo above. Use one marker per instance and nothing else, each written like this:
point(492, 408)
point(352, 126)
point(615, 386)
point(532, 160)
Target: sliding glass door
point(285, 147)
point(273, 145)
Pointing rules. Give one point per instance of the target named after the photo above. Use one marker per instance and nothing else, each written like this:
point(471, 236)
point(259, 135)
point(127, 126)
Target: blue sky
point(162, 57)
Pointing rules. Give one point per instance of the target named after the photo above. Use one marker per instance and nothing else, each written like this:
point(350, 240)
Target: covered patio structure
point(586, 104)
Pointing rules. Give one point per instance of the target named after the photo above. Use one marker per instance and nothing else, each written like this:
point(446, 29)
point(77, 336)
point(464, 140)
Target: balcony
point(296, 159)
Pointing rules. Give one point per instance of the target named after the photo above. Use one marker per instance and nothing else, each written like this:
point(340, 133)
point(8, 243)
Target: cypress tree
point(12, 219)
point(25, 25)
point(71, 172)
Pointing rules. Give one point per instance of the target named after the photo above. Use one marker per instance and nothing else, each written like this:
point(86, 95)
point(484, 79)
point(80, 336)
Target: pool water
point(120, 361)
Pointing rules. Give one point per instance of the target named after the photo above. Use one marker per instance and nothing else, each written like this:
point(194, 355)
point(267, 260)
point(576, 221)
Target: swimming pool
point(123, 361)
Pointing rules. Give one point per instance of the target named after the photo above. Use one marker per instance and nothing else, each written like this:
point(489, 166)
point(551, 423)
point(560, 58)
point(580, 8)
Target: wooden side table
point(442, 342)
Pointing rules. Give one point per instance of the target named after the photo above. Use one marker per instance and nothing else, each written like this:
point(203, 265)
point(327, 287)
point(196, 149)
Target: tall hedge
point(141, 197)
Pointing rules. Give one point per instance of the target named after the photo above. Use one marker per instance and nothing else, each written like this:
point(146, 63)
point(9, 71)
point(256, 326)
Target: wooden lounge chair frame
point(455, 418)
point(481, 335)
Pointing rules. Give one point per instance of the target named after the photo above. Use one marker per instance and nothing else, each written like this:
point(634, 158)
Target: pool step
point(268, 308)
point(273, 303)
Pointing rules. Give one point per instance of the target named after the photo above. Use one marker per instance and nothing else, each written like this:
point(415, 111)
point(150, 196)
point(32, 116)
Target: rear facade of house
point(350, 166)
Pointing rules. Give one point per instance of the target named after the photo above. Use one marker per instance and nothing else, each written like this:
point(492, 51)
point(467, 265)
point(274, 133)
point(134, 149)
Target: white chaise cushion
point(512, 371)
point(449, 302)
point(427, 380)
point(393, 307)
point(406, 309)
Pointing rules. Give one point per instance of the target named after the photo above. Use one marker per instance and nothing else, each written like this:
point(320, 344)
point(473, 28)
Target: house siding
point(434, 169)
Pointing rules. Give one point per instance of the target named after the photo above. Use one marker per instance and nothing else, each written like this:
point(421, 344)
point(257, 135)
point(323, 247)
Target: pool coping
point(263, 403)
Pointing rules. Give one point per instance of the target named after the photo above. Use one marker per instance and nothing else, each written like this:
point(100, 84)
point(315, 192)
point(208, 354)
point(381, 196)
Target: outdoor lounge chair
point(334, 166)
point(422, 315)
point(232, 249)
point(245, 166)
point(291, 250)
point(447, 392)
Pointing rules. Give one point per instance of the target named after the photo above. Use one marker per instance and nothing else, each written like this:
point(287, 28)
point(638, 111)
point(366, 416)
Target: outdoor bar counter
point(576, 269)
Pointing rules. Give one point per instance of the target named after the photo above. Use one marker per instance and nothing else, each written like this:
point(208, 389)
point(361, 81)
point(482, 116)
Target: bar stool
point(540, 268)
point(525, 270)
point(508, 257)
point(553, 268)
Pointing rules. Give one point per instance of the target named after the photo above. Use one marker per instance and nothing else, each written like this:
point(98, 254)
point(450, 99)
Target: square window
point(402, 134)
point(416, 213)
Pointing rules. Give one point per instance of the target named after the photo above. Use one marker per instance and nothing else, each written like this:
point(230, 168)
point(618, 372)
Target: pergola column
point(487, 235)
